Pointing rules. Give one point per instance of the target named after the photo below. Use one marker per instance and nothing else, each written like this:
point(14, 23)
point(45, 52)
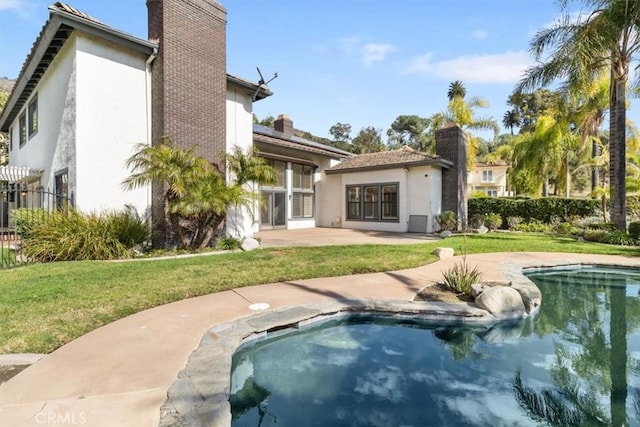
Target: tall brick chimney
point(189, 81)
point(283, 124)
point(451, 144)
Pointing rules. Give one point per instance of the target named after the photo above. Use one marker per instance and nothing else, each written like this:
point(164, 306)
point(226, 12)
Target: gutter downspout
point(148, 102)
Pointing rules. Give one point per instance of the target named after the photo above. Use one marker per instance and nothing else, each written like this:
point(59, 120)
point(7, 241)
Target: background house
point(489, 178)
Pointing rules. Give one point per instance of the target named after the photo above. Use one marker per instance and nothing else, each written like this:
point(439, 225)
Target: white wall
point(435, 177)
point(329, 199)
point(111, 120)
point(52, 147)
point(422, 200)
point(240, 221)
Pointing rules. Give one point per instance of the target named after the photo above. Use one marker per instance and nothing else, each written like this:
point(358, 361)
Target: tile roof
point(405, 156)
point(63, 7)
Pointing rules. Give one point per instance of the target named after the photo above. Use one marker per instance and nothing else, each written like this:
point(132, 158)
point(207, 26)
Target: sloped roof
point(63, 20)
point(403, 157)
point(273, 137)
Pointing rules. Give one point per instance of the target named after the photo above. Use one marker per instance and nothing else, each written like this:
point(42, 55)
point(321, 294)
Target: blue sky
point(362, 62)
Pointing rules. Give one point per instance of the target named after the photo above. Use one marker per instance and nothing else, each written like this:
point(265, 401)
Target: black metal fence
point(21, 205)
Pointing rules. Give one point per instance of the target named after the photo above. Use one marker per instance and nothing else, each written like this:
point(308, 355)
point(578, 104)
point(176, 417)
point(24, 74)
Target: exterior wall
point(111, 120)
point(497, 184)
point(329, 199)
point(436, 199)
point(240, 222)
point(421, 200)
point(52, 148)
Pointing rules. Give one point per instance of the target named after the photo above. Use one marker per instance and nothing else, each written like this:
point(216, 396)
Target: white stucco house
point(88, 94)
point(489, 178)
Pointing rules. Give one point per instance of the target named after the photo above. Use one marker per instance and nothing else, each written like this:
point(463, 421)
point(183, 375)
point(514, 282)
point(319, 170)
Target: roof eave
point(429, 162)
point(34, 60)
point(256, 91)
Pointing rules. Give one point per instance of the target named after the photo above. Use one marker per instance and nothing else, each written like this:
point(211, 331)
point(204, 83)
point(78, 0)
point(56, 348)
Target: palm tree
point(196, 196)
point(456, 90)
point(607, 39)
point(511, 119)
point(249, 168)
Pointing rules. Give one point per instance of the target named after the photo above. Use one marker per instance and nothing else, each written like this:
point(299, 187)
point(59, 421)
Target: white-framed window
point(302, 194)
point(372, 202)
point(487, 176)
point(492, 193)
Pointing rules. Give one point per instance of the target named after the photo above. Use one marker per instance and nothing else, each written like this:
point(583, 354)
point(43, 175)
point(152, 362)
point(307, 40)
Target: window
point(279, 166)
point(492, 193)
point(23, 129)
point(33, 116)
point(487, 176)
point(62, 188)
point(303, 194)
point(372, 202)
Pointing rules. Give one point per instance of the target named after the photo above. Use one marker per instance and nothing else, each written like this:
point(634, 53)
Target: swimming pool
point(573, 363)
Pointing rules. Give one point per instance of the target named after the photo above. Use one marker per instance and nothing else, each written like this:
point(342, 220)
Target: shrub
point(448, 221)
point(129, 227)
point(543, 209)
point(493, 221)
point(599, 236)
point(513, 222)
point(25, 219)
point(476, 221)
point(534, 227)
point(564, 229)
point(228, 243)
point(619, 237)
point(460, 277)
point(69, 235)
point(634, 230)
point(606, 226)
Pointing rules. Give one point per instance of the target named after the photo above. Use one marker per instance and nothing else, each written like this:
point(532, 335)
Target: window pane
point(389, 202)
point(307, 177)
point(23, 129)
point(33, 117)
point(371, 202)
point(297, 205)
point(279, 167)
point(308, 205)
point(353, 203)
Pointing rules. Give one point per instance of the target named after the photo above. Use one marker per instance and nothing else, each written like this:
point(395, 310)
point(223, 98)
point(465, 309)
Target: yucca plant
point(460, 277)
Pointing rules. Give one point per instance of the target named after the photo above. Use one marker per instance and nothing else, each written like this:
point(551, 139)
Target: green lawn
point(44, 306)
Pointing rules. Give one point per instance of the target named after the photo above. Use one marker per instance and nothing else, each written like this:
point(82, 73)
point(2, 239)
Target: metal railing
point(19, 207)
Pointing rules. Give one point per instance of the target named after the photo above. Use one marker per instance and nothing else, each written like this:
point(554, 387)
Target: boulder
point(531, 296)
point(443, 253)
point(477, 288)
point(445, 234)
point(501, 301)
point(481, 230)
point(249, 244)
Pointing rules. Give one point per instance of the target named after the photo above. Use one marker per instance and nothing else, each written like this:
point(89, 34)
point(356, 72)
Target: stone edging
point(200, 395)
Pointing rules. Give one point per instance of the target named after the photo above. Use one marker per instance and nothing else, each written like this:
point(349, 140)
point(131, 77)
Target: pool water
point(575, 363)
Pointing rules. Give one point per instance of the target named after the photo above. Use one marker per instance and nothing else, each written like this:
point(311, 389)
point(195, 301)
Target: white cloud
point(505, 67)
point(479, 34)
point(349, 44)
point(375, 52)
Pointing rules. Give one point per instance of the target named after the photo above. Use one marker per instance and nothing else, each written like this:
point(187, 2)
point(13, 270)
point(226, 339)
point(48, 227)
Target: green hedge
point(543, 210)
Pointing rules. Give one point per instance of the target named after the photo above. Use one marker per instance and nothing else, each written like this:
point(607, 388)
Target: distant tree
point(341, 133)
point(511, 119)
point(456, 90)
point(409, 130)
point(368, 140)
point(267, 121)
point(527, 107)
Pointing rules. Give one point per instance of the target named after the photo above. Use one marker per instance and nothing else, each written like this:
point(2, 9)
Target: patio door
point(274, 210)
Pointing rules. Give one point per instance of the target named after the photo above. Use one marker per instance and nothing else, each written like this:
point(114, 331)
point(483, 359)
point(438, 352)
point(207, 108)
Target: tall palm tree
point(456, 90)
point(607, 39)
point(511, 119)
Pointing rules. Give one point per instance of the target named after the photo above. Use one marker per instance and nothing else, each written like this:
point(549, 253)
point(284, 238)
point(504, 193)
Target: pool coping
point(200, 395)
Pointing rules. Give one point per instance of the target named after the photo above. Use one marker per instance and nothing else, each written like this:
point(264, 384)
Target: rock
point(445, 234)
point(501, 300)
point(249, 244)
point(531, 296)
point(477, 288)
point(482, 230)
point(443, 253)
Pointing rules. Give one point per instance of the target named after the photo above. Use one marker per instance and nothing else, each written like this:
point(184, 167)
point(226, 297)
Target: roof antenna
point(262, 83)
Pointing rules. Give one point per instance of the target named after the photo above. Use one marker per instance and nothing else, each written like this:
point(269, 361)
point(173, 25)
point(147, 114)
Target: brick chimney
point(451, 144)
point(189, 82)
point(283, 124)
